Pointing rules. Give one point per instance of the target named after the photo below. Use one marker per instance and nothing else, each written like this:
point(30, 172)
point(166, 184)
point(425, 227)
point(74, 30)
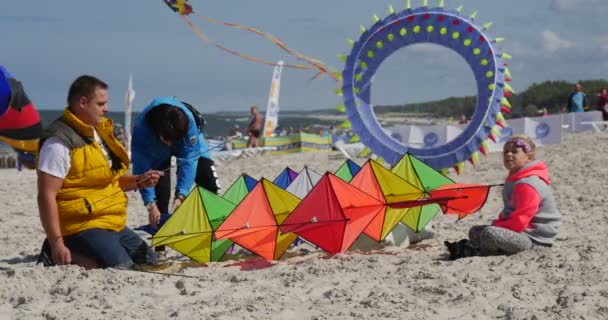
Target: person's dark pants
point(112, 249)
point(206, 176)
point(162, 190)
point(604, 111)
point(109, 249)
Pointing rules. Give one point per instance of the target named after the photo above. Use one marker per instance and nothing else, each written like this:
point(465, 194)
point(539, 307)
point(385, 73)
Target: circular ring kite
point(441, 27)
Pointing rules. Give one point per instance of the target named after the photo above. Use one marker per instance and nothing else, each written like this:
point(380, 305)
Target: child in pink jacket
point(530, 216)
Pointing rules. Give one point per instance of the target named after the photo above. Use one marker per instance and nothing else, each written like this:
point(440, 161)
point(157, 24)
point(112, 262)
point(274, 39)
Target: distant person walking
point(255, 128)
point(235, 132)
point(463, 119)
point(602, 103)
point(577, 101)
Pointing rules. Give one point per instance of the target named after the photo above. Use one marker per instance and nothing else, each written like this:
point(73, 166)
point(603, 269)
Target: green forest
point(552, 95)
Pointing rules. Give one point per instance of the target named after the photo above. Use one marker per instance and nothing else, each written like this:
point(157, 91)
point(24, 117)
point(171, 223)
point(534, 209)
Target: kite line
point(184, 9)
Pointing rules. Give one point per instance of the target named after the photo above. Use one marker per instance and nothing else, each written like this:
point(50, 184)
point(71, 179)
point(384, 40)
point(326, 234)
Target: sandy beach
point(569, 281)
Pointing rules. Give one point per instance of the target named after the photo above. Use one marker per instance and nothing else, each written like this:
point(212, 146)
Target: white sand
point(569, 281)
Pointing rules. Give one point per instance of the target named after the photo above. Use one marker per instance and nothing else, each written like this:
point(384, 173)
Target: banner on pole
point(129, 97)
point(271, 121)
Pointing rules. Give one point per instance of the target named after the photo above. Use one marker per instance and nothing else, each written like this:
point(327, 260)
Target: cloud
point(434, 54)
point(564, 6)
point(519, 48)
point(427, 48)
point(602, 43)
point(552, 42)
point(580, 7)
point(28, 19)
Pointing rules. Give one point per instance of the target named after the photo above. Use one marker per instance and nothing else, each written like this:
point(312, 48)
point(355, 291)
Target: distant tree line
point(552, 95)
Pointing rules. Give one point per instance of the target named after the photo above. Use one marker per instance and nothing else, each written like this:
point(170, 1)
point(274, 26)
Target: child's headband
point(522, 144)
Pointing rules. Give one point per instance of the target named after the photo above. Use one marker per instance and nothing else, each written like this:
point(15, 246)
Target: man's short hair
point(84, 86)
point(168, 122)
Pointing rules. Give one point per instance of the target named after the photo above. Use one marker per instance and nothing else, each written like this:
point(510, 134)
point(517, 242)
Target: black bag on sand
point(45, 255)
point(461, 249)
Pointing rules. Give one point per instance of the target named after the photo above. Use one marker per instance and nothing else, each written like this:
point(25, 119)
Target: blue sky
point(49, 43)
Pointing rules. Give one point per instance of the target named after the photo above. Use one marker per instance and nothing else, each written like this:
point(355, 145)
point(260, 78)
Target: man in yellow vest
point(81, 186)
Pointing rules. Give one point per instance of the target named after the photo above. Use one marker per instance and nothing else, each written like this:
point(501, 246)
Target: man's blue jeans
point(110, 248)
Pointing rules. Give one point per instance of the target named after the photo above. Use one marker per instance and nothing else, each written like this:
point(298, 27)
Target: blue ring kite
point(442, 27)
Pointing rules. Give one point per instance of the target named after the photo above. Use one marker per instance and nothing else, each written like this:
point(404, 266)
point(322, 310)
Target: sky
point(50, 43)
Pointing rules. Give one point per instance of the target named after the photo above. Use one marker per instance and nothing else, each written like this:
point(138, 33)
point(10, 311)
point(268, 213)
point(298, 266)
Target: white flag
point(130, 96)
point(272, 110)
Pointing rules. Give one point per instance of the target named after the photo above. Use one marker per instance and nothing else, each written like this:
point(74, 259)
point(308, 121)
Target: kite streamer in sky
point(182, 8)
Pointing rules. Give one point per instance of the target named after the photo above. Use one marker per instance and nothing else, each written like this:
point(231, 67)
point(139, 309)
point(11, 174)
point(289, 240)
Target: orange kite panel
point(465, 198)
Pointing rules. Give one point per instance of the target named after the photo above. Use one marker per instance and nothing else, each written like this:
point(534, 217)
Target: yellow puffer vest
point(90, 196)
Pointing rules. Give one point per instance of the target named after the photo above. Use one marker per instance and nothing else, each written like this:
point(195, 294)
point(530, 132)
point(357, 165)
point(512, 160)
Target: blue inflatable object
point(5, 90)
point(425, 25)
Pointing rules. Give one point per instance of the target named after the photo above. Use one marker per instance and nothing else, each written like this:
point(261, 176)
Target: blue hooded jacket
point(149, 152)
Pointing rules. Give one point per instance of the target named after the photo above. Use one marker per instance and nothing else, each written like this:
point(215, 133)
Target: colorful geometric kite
point(240, 188)
point(190, 228)
point(423, 177)
point(347, 170)
point(426, 25)
point(388, 188)
point(254, 223)
point(304, 182)
point(20, 125)
point(179, 6)
point(301, 186)
point(465, 198)
point(284, 179)
point(333, 214)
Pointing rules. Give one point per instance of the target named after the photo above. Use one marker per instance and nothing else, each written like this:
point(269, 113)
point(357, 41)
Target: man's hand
point(154, 216)
point(61, 254)
point(149, 179)
point(176, 203)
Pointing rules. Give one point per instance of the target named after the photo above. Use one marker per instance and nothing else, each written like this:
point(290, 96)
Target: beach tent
point(240, 188)
point(388, 188)
point(190, 228)
point(304, 182)
point(285, 178)
point(254, 223)
point(20, 125)
point(423, 177)
point(347, 170)
point(333, 214)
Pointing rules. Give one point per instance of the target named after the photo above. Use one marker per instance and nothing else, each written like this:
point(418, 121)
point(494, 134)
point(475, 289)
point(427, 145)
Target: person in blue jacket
point(577, 101)
point(168, 127)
